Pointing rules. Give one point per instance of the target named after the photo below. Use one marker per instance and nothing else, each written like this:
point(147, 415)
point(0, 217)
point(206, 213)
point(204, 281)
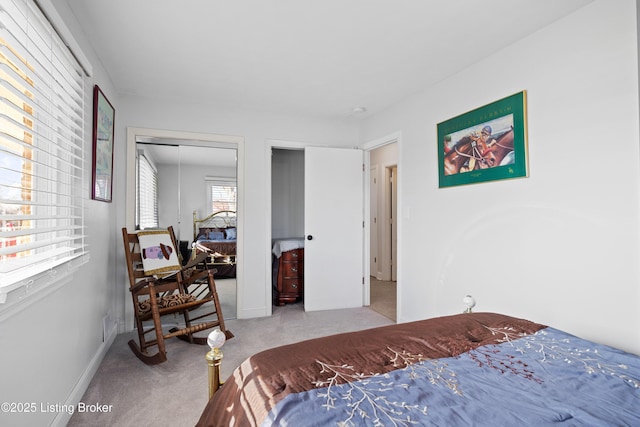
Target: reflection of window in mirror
point(221, 194)
point(146, 192)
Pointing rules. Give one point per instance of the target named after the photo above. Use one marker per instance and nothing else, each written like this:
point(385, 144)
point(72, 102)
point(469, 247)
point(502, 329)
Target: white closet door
point(333, 266)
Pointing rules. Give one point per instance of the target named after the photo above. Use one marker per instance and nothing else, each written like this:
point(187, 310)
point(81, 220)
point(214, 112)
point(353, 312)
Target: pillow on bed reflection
point(231, 233)
point(216, 235)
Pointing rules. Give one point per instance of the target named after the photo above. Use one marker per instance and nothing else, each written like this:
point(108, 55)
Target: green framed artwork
point(485, 144)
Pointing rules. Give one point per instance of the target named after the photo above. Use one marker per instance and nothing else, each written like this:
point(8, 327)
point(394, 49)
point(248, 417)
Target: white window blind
point(221, 194)
point(42, 158)
point(147, 196)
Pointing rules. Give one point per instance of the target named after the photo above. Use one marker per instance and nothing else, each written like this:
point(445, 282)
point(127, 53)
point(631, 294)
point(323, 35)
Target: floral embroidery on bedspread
point(365, 394)
point(409, 395)
point(549, 347)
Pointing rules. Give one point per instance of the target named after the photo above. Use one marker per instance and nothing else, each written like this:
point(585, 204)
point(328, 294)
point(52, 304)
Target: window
point(147, 193)
point(42, 158)
point(221, 194)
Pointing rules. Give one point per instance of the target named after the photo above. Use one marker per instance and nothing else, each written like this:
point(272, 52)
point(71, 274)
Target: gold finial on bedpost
point(216, 339)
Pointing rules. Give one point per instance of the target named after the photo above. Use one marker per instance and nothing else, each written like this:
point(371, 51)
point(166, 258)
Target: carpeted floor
point(174, 393)
point(227, 294)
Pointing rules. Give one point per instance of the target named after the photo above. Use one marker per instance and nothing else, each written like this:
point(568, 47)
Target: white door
point(333, 223)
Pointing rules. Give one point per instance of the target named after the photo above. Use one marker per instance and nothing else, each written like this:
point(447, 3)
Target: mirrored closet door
point(180, 183)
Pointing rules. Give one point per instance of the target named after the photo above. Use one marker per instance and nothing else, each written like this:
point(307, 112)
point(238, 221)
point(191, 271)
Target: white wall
point(52, 344)
point(287, 194)
point(561, 246)
point(254, 298)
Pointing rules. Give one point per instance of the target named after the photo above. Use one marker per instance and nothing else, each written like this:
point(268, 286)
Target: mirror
point(178, 180)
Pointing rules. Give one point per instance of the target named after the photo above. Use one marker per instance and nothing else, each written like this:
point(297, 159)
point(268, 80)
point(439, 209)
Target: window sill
point(21, 294)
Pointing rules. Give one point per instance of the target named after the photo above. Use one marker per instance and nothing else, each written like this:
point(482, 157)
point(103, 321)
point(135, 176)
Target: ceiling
point(176, 152)
point(311, 58)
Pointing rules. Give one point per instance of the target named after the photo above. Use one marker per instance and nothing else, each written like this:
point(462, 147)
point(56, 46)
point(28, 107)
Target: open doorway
point(383, 229)
point(368, 270)
point(332, 202)
point(287, 226)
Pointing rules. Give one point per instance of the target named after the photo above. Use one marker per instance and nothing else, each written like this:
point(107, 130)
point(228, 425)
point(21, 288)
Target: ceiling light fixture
point(358, 110)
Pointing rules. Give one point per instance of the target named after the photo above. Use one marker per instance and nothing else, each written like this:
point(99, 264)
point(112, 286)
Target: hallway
point(383, 297)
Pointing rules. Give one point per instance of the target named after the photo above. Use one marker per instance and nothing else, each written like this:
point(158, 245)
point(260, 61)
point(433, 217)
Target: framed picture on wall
point(485, 144)
point(103, 131)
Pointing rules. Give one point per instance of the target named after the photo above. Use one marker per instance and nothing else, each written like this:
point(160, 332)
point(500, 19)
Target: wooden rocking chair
point(190, 288)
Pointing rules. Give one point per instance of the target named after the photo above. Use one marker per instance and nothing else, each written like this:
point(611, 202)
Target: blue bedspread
point(546, 378)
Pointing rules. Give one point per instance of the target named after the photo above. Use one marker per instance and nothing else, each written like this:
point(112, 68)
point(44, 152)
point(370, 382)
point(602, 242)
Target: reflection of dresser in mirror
point(288, 271)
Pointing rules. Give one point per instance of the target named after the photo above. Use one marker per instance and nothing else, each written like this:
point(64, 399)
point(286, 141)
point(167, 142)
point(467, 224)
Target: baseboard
point(63, 417)
point(252, 313)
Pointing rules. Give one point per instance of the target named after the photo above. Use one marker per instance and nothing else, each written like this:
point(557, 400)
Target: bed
point(216, 235)
point(467, 369)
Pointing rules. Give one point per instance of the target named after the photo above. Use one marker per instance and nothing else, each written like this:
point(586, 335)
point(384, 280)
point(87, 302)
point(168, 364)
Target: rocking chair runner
point(187, 290)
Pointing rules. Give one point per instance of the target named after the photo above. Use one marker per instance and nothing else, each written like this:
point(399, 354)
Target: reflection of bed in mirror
point(215, 234)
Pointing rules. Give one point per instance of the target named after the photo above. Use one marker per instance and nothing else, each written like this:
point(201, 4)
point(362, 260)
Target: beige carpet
point(383, 298)
point(227, 295)
point(174, 393)
point(226, 289)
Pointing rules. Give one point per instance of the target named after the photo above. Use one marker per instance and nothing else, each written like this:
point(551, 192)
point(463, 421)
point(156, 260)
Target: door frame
point(367, 147)
point(201, 139)
point(270, 144)
point(391, 206)
point(373, 213)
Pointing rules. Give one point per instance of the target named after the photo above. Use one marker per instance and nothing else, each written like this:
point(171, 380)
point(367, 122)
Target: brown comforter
point(267, 377)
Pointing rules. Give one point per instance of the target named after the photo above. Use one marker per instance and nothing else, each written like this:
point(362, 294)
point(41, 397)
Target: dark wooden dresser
point(288, 277)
